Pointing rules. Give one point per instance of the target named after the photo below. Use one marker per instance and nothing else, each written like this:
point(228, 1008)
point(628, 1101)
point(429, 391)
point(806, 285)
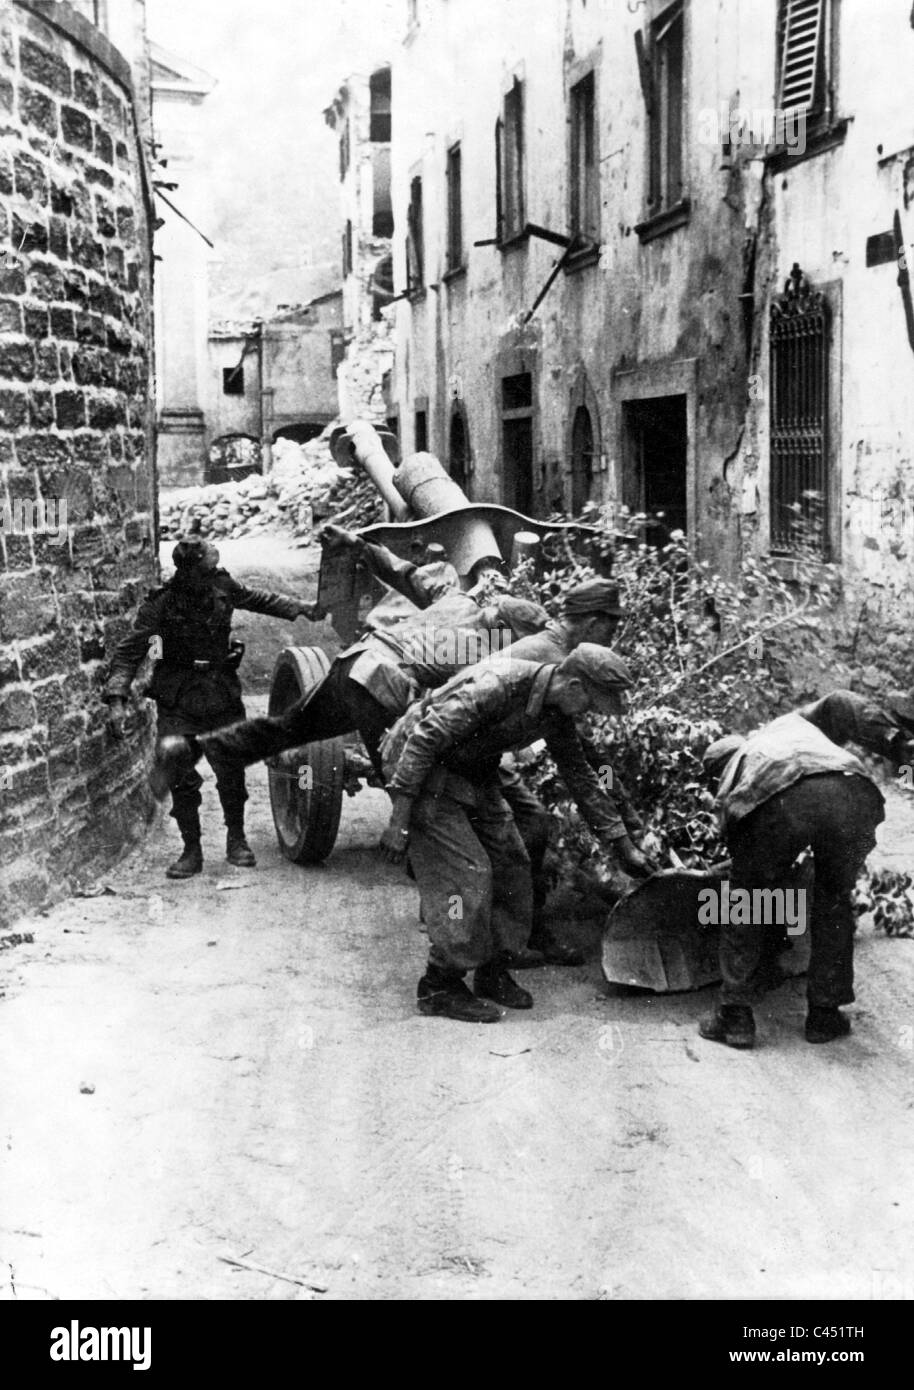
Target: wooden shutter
point(801, 24)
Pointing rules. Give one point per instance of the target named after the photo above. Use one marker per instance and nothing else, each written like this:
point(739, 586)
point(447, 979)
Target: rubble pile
point(304, 487)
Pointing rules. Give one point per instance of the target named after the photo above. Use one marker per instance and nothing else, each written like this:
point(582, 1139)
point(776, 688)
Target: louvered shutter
point(801, 53)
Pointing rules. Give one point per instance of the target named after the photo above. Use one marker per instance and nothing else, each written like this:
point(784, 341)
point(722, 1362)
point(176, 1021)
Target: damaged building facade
point(650, 257)
point(77, 480)
point(360, 117)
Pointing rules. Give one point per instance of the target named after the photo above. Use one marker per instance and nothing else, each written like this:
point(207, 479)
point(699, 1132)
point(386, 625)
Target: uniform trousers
point(836, 816)
point(473, 874)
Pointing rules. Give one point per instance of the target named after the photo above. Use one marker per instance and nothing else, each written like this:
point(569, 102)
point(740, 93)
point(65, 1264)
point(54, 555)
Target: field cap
point(592, 596)
point(603, 672)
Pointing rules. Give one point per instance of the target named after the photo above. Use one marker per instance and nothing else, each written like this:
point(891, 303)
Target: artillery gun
point(426, 508)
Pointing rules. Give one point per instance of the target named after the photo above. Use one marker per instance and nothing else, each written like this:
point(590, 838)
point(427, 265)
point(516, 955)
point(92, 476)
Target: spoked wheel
point(306, 784)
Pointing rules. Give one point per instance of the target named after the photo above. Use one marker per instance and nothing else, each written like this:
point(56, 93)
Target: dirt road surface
point(232, 1068)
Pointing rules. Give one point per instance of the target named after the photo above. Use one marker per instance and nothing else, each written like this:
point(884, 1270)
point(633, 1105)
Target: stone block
point(76, 127)
point(17, 710)
point(17, 361)
point(13, 409)
point(70, 409)
point(41, 409)
point(45, 68)
point(38, 110)
point(10, 316)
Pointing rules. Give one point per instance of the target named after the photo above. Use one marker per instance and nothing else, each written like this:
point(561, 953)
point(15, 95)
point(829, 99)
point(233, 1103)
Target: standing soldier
point(186, 624)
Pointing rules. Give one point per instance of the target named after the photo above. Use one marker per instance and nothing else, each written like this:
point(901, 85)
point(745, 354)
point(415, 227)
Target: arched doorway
point(582, 456)
point(459, 450)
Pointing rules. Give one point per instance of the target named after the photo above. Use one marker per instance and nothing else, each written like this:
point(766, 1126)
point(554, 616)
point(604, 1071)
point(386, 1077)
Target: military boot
point(190, 862)
point(732, 1024)
point(443, 994)
point(238, 851)
point(824, 1025)
point(493, 982)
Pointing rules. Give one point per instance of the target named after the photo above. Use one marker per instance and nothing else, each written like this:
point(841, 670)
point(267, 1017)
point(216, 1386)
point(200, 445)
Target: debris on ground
point(889, 896)
point(304, 487)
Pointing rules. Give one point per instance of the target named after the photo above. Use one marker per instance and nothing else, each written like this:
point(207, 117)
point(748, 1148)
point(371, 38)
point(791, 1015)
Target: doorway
point(656, 463)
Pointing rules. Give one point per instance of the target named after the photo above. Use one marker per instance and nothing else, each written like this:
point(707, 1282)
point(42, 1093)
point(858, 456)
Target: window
point(509, 158)
point(584, 173)
point(347, 250)
point(800, 491)
point(517, 441)
point(661, 67)
point(420, 431)
point(805, 47)
point(454, 210)
point(582, 456)
point(459, 451)
point(379, 118)
point(337, 350)
point(233, 381)
point(415, 243)
point(344, 149)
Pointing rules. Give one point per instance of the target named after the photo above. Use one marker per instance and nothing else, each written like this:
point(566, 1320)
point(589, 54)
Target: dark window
point(510, 160)
point(379, 118)
point(459, 452)
point(517, 391)
point(517, 441)
point(421, 431)
point(663, 77)
point(454, 209)
point(415, 246)
point(801, 501)
point(347, 250)
point(337, 349)
point(584, 180)
point(233, 381)
point(582, 456)
point(344, 149)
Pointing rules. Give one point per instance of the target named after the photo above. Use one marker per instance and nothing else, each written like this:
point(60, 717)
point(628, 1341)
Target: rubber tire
point(306, 820)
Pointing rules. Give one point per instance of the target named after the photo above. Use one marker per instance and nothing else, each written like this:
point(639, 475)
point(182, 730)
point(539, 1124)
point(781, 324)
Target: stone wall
point(75, 433)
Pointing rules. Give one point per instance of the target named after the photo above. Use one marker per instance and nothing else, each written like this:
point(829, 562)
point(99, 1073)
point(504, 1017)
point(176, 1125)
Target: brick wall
point(75, 429)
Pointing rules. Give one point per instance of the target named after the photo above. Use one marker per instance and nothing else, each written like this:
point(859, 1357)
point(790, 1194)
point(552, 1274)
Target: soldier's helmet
point(194, 552)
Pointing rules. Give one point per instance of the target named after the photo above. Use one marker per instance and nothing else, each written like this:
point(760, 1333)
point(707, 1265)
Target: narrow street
point(232, 1068)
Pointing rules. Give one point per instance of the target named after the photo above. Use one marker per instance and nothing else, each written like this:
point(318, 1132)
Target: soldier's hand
point(634, 860)
point(312, 611)
point(117, 718)
point(338, 535)
point(394, 844)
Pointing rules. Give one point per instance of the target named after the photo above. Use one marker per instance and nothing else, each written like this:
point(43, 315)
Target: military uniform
point(371, 683)
point(468, 857)
point(195, 681)
point(789, 786)
point(557, 640)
